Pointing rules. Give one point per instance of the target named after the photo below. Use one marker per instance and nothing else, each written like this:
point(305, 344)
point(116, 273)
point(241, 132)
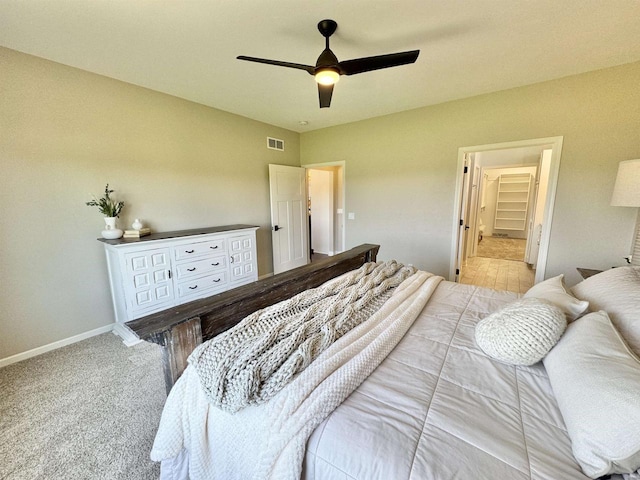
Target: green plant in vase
point(111, 210)
point(107, 206)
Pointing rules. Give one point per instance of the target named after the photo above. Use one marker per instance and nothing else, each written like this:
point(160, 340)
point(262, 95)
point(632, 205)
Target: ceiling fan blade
point(308, 68)
point(367, 64)
point(324, 93)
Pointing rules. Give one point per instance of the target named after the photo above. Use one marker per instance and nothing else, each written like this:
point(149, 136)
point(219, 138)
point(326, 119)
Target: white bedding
point(439, 408)
point(435, 408)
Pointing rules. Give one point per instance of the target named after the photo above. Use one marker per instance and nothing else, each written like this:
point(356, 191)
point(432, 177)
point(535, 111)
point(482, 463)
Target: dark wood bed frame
point(179, 330)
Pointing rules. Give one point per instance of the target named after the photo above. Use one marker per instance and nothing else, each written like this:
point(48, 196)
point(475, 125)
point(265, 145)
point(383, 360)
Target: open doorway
point(504, 224)
point(504, 207)
point(326, 209)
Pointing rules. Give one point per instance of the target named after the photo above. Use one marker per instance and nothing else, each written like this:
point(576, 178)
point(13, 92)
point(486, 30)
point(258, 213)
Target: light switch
point(352, 216)
point(340, 211)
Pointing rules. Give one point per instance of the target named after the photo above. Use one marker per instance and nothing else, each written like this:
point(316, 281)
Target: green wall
point(65, 133)
point(401, 169)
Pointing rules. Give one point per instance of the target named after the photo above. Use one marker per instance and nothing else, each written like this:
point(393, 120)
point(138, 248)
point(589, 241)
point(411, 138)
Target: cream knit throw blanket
point(268, 441)
point(254, 360)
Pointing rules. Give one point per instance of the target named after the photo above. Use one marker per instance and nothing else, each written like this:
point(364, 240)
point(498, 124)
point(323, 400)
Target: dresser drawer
point(198, 268)
point(201, 285)
point(191, 250)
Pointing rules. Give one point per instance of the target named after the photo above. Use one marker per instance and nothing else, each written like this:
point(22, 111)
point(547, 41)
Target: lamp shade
point(626, 192)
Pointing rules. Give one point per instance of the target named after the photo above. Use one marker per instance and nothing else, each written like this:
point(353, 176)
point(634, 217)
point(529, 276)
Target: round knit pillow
point(522, 332)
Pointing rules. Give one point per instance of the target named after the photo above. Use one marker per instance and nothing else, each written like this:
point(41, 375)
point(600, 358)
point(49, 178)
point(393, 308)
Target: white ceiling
point(188, 48)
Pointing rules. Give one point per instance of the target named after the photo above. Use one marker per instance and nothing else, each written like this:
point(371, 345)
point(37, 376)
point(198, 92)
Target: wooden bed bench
point(180, 329)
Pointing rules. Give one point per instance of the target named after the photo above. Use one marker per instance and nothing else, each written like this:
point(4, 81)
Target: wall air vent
point(275, 144)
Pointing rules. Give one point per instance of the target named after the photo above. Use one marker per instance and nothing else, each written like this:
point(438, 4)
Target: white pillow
point(522, 332)
point(617, 291)
point(554, 291)
point(596, 381)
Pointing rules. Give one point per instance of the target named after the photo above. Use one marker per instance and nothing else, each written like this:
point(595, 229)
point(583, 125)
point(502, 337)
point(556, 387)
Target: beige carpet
point(505, 248)
point(86, 411)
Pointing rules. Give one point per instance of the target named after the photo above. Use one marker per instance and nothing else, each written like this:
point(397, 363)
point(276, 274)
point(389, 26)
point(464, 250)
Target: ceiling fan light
point(327, 77)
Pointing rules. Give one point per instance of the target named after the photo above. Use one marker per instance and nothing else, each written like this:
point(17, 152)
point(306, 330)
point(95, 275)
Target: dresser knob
point(191, 269)
point(189, 251)
point(193, 288)
point(213, 248)
point(215, 264)
point(217, 280)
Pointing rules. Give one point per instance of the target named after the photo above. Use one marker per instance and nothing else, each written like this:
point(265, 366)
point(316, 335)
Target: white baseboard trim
point(128, 337)
point(18, 357)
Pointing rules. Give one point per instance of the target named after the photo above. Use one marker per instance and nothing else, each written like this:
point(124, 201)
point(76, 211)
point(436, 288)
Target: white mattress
point(438, 408)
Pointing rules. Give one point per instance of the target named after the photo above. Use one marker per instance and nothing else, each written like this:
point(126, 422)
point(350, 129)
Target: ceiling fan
point(328, 69)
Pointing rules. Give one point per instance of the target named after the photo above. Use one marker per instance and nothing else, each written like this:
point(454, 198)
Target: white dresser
point(162, 270)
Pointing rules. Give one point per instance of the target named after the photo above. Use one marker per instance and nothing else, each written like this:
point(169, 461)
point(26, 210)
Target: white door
point(474, 211)
point(322, 222)
point(531, 248)
point(462, 215)
point(289, 218)
point(538, 208)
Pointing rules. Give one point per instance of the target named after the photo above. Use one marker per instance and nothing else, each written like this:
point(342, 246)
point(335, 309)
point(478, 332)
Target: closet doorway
point(325, 185)
point(504, 208)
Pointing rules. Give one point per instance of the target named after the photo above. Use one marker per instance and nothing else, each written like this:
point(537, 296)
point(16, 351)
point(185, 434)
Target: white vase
point(111, 232)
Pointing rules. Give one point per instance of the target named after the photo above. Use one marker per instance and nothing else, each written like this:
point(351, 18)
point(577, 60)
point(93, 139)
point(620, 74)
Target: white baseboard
point(53, 346)
point(328, 253)
point(128, 337)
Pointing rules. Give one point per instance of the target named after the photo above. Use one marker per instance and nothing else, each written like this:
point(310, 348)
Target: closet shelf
point(513, 195)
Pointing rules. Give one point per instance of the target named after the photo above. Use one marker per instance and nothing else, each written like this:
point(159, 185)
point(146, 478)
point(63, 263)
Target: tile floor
point(498, 273)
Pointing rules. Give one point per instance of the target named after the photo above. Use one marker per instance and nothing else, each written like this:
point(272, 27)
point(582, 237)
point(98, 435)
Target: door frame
point(555, 144)
point(343, 166)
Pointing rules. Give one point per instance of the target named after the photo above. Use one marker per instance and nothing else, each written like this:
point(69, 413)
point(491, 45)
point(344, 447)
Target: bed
point(418, 398)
